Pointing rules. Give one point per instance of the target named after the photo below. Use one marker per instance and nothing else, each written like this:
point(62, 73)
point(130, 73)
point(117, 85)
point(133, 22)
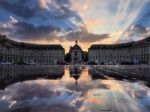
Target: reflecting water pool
point(74, 88)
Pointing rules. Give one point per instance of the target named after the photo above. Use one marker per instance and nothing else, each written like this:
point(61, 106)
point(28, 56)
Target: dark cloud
point(39, 19)
point(134, 32)
point(93, 37)
point(137, 28)
point(19, 8)
point(85, 36)
point(28, 9)
point(28, 31)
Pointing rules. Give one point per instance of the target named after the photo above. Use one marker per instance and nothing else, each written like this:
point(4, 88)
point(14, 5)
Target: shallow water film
point(42, 88)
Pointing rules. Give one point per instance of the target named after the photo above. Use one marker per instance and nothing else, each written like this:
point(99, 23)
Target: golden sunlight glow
point(112, 39)
point(43, 4)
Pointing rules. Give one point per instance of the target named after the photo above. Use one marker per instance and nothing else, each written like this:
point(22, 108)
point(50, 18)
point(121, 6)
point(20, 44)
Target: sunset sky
point(64, 21)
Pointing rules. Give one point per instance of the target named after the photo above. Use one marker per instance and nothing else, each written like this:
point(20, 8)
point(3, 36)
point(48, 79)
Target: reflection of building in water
point(76, 53)
point(15, 73)
point(121, 72)
point(133, 52)
point(14, 52)
point(96, 73)
point(75, 72)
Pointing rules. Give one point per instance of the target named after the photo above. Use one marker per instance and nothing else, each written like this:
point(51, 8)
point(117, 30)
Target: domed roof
point(76, 46)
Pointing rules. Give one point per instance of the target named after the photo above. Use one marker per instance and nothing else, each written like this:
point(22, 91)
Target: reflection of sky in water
point(63, 95)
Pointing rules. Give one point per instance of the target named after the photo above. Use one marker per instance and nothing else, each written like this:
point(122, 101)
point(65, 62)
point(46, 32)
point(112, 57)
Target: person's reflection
point(75, 72)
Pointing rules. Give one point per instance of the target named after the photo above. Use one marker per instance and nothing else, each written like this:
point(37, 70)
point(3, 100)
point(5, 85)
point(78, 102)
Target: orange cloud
point(43, 4)
point(93, 22)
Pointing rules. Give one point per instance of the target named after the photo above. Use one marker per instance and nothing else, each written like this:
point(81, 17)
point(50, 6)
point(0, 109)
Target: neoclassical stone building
point(133, 52)
point(15, 52)
point(76, 53)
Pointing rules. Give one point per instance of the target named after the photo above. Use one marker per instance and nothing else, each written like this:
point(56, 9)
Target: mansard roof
point(11, 43)
point(143, 42)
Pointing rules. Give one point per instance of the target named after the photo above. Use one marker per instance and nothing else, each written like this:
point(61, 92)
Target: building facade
point(15, 52)
point(133, 52)
point(76, 53)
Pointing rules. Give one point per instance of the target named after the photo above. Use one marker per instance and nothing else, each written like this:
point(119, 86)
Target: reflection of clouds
point(139, 92)
point(33, 95)
point(93, 101)
point(47, 95)
point(63, 95)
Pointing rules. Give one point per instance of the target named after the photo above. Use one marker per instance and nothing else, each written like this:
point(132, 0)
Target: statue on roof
point(76, 42)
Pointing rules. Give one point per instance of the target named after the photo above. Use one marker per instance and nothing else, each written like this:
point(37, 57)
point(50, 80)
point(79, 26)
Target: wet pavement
point(74, 88)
